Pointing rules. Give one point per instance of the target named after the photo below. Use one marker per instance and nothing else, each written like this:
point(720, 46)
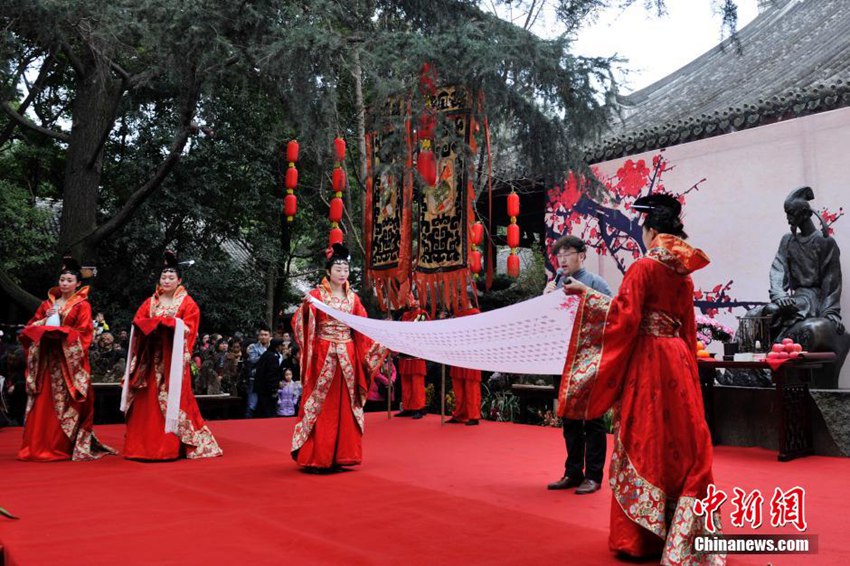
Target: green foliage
point(243, 78)
point(500, 406)
point(24, 238)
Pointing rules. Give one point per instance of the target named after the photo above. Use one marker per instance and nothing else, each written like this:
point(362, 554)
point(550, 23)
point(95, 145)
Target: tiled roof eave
point(794, 104)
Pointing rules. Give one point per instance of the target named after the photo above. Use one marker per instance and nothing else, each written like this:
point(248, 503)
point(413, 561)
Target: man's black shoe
point(565, 482)
point(588, 486)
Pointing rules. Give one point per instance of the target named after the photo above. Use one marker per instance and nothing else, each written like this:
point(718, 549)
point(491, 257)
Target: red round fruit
point(787, 341)
point(781, 355)
point(777, 348)
point(788, 347)
point(772, 354)
point(798, 348)
point(793, 354)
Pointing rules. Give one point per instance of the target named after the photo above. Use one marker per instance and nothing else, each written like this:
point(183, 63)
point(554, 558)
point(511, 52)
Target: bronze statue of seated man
point(805, 288)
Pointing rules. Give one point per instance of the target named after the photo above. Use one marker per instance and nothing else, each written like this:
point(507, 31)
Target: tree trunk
point(360, 109)
point(281, 279)
point(271, 280)
point(28, 302)
point(91, 118)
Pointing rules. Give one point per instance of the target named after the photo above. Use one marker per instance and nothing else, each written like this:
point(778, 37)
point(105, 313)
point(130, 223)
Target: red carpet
point(426, 494)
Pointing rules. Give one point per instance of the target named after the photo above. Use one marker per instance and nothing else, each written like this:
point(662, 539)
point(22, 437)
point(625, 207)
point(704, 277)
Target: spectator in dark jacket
point(267, 379)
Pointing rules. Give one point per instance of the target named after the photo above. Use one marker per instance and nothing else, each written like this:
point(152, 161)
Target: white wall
point(737, 215)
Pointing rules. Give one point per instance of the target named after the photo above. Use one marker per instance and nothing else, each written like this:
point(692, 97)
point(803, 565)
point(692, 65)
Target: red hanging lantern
point(291, 180)
point(292, 151)
point(339, 149)
point(335, 236)
point(513, 235)
point(335, 214)
point(426, 164)
point(513, 265)
point(513, 204)
point(475, 261)
point(427, 125)
point(290, 206)
point(477, 234)
point(339, 179)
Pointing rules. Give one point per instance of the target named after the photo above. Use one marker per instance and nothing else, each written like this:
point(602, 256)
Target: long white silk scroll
point(530, 337)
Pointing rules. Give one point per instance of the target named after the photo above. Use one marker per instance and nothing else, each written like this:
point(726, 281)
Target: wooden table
point(791, 379)
point(528, 393)
point(108, 400)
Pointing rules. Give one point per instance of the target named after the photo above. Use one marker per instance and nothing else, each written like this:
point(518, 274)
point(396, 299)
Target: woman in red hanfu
point(163, 420)
point(637, 352)
point(60, 399)
point(336, 364)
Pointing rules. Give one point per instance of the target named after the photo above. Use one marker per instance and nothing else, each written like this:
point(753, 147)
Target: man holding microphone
point(586, 440)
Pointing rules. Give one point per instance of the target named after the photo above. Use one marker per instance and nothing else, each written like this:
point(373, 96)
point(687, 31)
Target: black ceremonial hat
point(658, 201)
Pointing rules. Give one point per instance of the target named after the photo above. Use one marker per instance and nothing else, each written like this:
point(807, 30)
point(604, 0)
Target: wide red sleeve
point(601, 346)
point(370, 352)
point(689, 322)
point(40, 313)
point(144, 311)
point(80, 319)
point(304, 332)
point(191, 315)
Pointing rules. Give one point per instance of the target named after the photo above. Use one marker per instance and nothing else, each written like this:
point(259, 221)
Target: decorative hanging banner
point(530, 337)
point(389, 196)
point(445, 210)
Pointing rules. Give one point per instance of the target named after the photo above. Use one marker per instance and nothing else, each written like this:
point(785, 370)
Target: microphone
point(558, 275)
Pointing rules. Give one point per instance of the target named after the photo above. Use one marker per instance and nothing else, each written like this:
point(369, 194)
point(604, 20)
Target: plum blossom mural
point(612, 228)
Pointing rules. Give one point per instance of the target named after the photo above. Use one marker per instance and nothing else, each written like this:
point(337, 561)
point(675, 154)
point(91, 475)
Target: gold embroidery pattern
point(676, 254)
point(348, 373)
point(666, 258)
point(74, 357)
point(88, 447)
point(375, 357)
point(642, 502)
point(670, 518)
point(67, 415)
point(333, 330)
point(684, 526)
point(160, 310)
point(581, 370)
point(201, 443)
point(313, 404)
point(33, 358)
point(660, 324)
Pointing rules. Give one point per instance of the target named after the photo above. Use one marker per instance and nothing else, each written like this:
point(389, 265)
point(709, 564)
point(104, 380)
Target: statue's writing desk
point(791, 380)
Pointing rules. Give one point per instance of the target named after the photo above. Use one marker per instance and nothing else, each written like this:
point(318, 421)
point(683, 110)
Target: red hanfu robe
point(60, 400)
point(412, 370)
point(336, 365)
point(148, 387)
point(637, 352)
point(466, 384)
